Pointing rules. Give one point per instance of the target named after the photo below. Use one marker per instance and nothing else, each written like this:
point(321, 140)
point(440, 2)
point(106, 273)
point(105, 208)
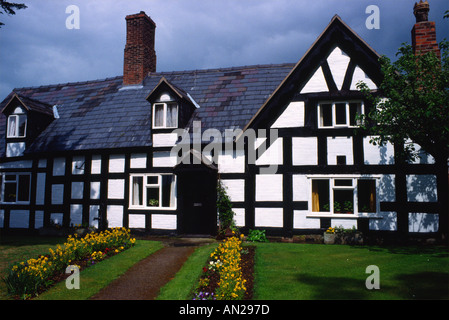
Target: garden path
point(145, 278)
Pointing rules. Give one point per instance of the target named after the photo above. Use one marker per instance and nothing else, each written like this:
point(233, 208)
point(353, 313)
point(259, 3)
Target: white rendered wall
point(339, 146)
point(269, 217)
point(305, 151)
point(138, 161)
point(117, 163)
point(293, 116)
point(19, 219)
point(317, 83)
point(375, 155)
point(269, 187)
point(115, 216)
point(164, 221)
point(136, 221)
point(116, 189)
point(338, 62)
point(235, 189)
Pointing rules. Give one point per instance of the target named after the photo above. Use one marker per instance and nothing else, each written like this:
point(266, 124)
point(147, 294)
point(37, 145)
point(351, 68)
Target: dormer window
point(165, 113)
point(17, 123)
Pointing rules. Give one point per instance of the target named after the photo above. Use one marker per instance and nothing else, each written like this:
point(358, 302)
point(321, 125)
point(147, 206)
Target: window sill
point(152, 209)
point(344, 216)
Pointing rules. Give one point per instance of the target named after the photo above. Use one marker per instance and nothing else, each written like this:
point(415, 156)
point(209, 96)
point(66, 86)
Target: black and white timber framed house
point(106, 152)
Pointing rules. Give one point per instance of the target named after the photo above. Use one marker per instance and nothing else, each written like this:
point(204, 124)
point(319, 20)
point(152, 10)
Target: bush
point(257, 236)
point(224, 208)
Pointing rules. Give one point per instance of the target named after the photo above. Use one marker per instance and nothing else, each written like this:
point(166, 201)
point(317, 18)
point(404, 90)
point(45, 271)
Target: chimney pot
point(421, 11)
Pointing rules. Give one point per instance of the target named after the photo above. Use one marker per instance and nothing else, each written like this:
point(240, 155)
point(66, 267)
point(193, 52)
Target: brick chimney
point(140, 56)
point(424, 38)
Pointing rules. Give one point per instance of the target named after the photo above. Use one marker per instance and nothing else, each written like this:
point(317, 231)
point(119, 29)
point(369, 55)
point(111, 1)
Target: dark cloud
point(37, 49)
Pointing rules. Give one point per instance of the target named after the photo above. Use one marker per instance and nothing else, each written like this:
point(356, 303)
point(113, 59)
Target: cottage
point(145, 150)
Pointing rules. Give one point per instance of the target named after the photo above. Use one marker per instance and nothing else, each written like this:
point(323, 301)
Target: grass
point(182, 285)
point(20, 248)
point(311, 271)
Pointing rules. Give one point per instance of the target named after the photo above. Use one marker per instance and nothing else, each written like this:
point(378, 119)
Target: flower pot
point(329, 238)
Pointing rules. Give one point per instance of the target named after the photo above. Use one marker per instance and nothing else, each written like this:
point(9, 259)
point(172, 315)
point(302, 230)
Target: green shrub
point(256, 236)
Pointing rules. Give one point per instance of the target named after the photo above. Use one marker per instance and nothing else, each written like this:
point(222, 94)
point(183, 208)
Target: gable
point(332, 66)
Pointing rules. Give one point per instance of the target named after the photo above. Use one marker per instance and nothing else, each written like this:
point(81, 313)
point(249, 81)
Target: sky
point(37, 48)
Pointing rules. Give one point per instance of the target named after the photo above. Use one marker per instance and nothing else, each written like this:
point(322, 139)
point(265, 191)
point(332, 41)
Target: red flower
point(204, 269)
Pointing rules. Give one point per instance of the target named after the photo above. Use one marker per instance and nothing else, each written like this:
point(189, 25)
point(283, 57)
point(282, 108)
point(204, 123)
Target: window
point(15, 188)
point(344, 195)
point(153, 191)
point(165, 115)
point(17, 126)
point(339, 114)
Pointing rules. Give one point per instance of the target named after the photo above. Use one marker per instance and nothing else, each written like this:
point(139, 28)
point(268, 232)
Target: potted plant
point(347, 207)
point(329, 236)
point(337, 207)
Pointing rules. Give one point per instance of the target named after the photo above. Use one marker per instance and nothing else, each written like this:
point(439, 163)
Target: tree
point(9, 7)
point(412, 107)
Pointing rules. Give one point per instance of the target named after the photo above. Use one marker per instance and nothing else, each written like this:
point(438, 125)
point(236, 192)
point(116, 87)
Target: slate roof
point(102, 114)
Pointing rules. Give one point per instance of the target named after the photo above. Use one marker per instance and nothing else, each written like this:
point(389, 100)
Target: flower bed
point(228, 275)
point(29, 278)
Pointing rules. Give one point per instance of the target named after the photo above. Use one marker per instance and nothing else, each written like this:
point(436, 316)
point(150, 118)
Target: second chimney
point(424, 37)
point(140, 56)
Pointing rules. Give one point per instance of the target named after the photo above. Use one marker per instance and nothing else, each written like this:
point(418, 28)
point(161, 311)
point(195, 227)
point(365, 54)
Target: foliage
point(330, 230)
point(231, 285)
point(414, 106)
point(222, 278)
point(224, 207)
point(27, 278)
point(9, 7)
point(256, 236)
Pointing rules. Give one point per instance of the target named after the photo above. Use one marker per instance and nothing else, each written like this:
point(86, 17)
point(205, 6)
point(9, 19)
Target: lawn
point(286, 271)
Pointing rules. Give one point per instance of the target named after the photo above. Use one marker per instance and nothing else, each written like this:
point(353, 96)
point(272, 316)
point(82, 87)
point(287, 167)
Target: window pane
point(366, 195)
point(343, 201)
point(343, 182)
point(159, 115)
point(320, 195)
point(340, 113)
point(137, 193)
point(12, 126)
point(152, 197)
point(22, 125)
point(153, 180)
point(172, 115)
point(10, 191)
point(24, 188)
point(168, 191)
point(326, 115)
point(354, 109)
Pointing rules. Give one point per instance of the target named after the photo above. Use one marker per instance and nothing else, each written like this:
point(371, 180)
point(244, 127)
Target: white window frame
point(331, 178)
point(17, 123)
point(164, 121)
point(145, 185)
point(334, 114)
point(3, 182)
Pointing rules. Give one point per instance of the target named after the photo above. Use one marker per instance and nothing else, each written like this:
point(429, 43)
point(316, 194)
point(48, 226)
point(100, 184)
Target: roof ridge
point(66, 84)
point(220, 69)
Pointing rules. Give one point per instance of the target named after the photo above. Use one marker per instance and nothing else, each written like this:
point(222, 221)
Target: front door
point(197, 196)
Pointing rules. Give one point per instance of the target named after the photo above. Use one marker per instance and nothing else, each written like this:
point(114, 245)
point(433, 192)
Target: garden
point(28, 278)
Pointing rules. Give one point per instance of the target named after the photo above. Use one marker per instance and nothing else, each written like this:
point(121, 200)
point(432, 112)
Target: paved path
point(144, 279)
